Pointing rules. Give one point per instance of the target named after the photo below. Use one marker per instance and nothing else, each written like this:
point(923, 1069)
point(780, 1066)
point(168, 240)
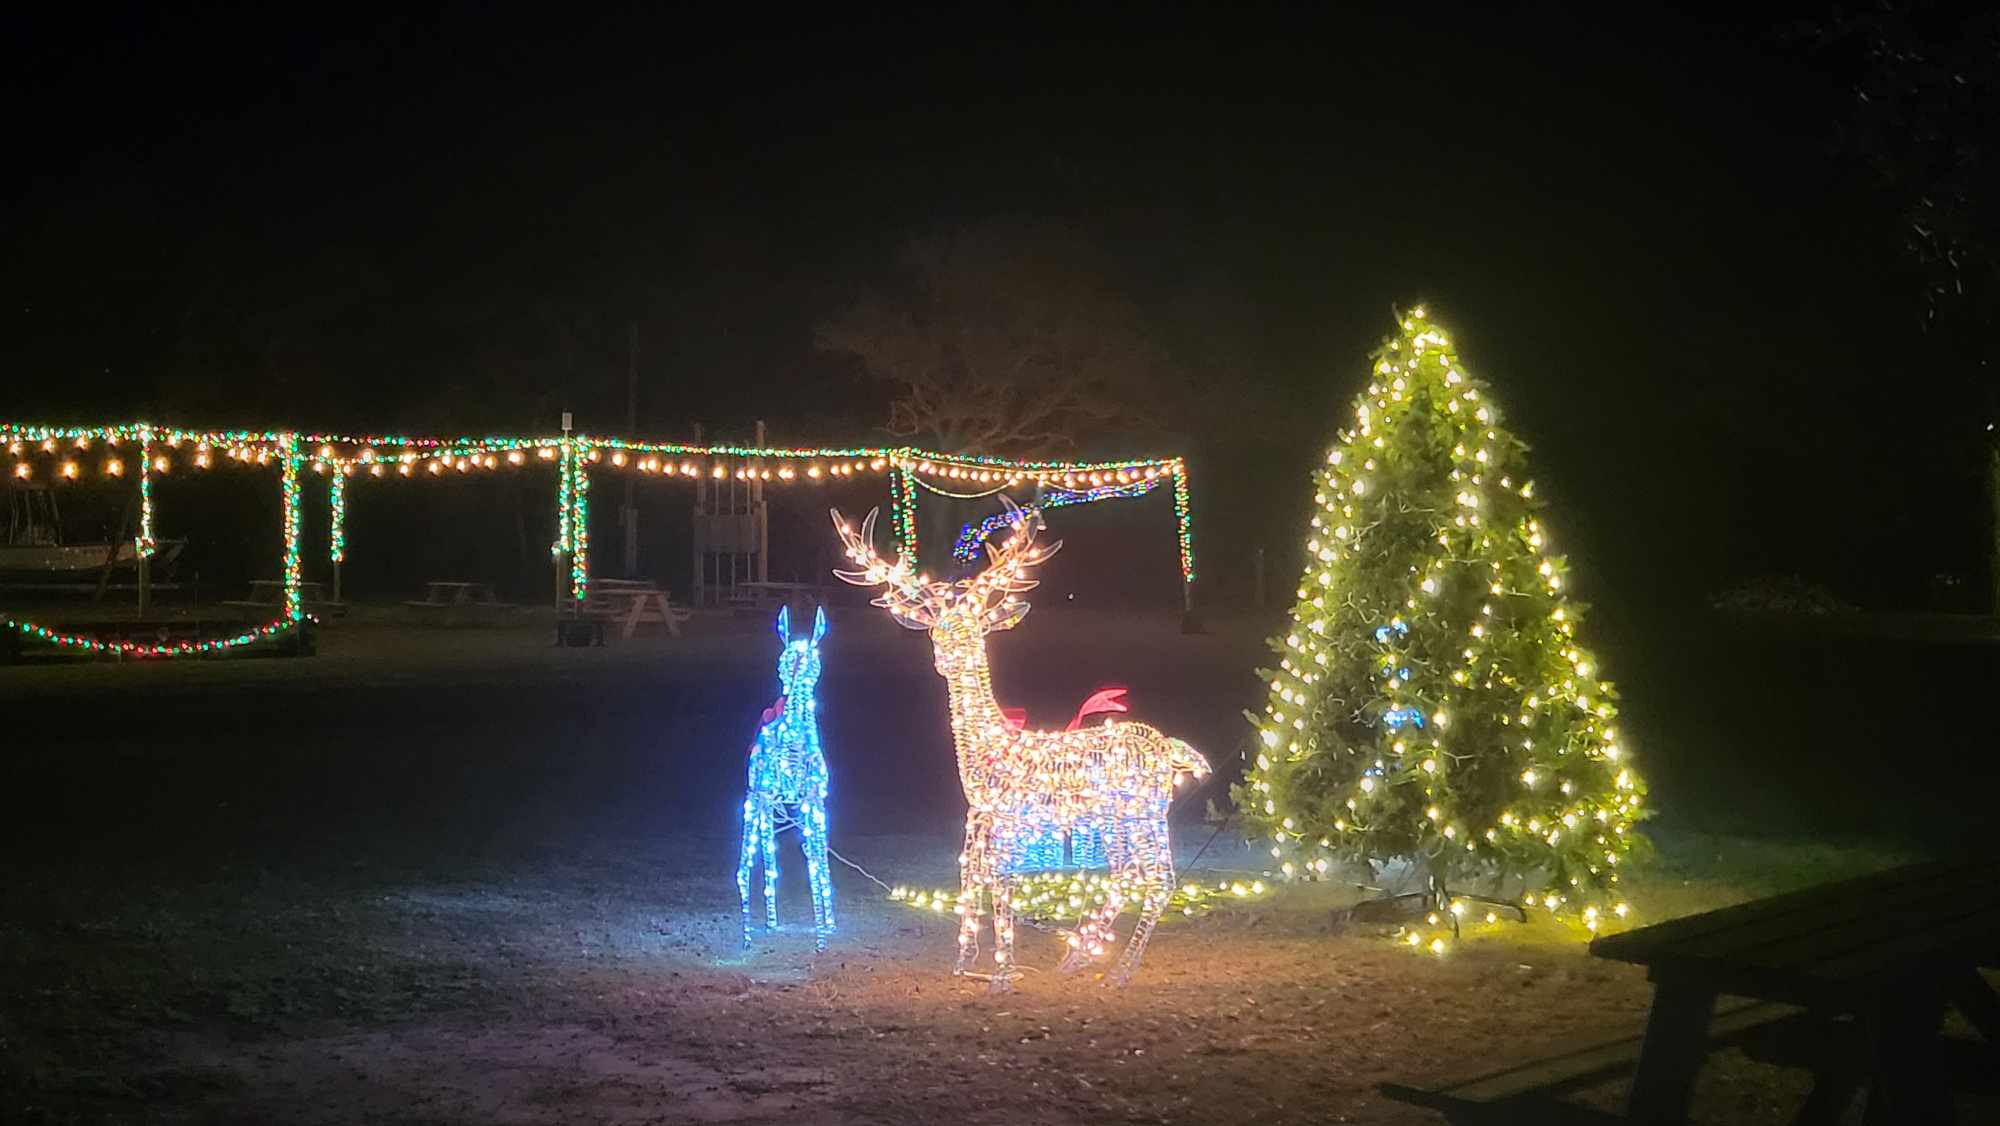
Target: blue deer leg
point(768, 827)
point(748, 859)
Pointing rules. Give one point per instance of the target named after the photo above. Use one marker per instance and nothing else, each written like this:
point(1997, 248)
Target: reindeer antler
point(996, 587)
point(912, 600)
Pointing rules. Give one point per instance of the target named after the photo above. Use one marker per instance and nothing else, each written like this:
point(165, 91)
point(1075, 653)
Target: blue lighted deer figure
point(788, 783)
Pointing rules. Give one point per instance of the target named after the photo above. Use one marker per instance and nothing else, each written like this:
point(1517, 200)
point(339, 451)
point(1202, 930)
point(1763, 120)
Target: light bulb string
point(1000, 488)
point(785, 821)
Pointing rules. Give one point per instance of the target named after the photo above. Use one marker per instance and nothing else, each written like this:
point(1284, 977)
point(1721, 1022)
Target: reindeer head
point(958, 614)
point(798, 661)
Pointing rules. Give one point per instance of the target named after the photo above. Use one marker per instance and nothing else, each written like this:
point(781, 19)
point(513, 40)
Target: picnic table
point(269, 594)
point(631, 602)
point(1891, 951)
point(766, 595)
point(444, 593)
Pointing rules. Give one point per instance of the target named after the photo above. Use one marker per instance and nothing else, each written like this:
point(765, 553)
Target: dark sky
point(1691, 306)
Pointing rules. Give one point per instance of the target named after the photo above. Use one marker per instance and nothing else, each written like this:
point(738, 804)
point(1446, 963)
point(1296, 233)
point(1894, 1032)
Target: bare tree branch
point(1006, 342)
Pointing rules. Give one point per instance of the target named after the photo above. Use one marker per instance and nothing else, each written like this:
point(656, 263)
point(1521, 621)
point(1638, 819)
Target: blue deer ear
point(819, 624)
point(785, 624)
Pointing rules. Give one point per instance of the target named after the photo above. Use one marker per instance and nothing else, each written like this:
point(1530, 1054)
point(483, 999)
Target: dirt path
point(552, 998)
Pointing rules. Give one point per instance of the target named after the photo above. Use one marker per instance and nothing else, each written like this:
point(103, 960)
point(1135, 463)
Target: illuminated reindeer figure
point(788, 783)
point(1105, 789)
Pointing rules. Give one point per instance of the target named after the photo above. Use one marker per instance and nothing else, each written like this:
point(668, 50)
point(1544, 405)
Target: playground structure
point(144, 452)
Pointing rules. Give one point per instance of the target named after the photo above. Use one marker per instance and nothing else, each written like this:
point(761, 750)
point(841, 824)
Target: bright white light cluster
point(788, 783)
point(1102, 792)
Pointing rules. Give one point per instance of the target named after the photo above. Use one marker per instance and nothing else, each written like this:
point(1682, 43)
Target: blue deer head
point(798, 661)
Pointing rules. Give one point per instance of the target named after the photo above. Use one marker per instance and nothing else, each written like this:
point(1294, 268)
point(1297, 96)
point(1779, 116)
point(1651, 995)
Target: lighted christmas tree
point(1432, 702)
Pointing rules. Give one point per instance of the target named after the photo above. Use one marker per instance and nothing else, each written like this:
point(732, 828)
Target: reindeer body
point(1103, 790)
point(788, 783)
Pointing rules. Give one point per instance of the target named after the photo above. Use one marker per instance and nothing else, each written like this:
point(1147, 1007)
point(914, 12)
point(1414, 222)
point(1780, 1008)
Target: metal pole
point(631, 511)
point(700, 556)
point(566, 466)
point(763, 517)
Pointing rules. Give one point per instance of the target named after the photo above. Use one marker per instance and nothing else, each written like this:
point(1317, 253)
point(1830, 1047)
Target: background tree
point(1008, 338)
point(1431, 702)
point(1923, 81)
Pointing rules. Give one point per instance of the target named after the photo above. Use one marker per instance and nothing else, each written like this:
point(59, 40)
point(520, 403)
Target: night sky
point(1690, 305)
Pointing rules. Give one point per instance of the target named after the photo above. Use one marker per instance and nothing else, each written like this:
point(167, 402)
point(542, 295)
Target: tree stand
point(1435, 898)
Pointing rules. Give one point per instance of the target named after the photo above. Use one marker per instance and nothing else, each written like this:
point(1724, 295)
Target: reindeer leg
point(1004, 971)
point(1096, 931)
point(973, 875)
point(1156, 864)
point(767, 825)
point(812, 829)
point(748, 859)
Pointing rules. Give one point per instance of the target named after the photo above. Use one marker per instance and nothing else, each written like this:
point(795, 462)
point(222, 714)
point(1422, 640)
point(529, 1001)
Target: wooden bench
point(1888, 952)
point(269, 594)
point(630, 602)
point(1529, 1092)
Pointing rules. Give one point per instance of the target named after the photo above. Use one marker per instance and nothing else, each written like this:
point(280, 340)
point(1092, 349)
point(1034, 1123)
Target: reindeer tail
point(1185, 759)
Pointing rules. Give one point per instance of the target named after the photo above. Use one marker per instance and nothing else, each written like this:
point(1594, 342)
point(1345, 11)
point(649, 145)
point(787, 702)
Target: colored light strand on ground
point(1069, 898)
point(788, 783)
point(973, 536)
point(1101, 790)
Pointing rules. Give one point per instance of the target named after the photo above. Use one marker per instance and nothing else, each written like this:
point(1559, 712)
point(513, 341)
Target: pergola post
point(288, 485)
point(142, 548)
point(336, 536)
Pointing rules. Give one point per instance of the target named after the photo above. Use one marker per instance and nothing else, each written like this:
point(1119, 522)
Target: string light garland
point(788, 783)
point(388, 455)
point(1098, 793)
point(1431, 702)
point(251, 636)
point(17, 439)
point(974, 535)
point(1184, 521)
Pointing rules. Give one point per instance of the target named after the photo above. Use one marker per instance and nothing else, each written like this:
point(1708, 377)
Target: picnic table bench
point(1890, 950)
point(1865, 966)
point(629, 601)
point(269, 594)
point(763, 596)
point(446, 593)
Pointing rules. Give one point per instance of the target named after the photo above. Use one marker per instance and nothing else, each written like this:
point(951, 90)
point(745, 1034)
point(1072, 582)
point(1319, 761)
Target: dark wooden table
point(1891, 951)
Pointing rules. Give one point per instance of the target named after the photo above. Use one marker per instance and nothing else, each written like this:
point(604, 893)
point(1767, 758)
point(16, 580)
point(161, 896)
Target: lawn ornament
point(788, 783)
point(1102, 790)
